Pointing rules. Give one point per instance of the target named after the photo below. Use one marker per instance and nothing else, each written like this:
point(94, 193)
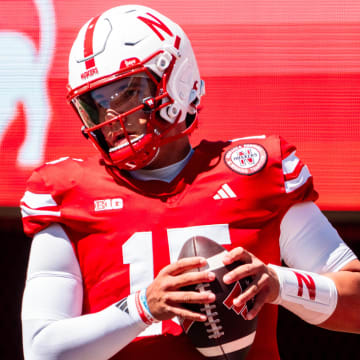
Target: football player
point(103, 278)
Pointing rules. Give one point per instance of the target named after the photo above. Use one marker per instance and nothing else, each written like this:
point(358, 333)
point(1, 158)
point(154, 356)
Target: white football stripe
point(292, 185)
point(35, 201)
point(228, 190)
point(289, 163)
point(215, 262)
point(228, 347)
point(25, 211)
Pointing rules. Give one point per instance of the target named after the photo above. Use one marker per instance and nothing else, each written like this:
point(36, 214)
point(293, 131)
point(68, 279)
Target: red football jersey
point(124, 230)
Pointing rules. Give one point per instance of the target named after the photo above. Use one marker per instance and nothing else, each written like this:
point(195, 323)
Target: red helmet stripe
point(177, 42)
point(88, 43)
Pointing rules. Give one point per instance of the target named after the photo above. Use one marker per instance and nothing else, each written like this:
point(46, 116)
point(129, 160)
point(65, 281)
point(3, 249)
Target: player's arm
point(346, 316)
point(52, 320)
point(324, 292)
point(309, 242)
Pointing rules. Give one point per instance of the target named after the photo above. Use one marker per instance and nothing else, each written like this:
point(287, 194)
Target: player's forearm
point(346, 316)
point(95, 336)
point(330, 300)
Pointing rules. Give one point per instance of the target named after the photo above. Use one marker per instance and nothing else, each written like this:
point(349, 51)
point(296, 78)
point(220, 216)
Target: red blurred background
point(289, 67)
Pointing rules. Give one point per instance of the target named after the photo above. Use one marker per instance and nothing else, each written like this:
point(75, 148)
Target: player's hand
point(164, 297)
point(265, 285)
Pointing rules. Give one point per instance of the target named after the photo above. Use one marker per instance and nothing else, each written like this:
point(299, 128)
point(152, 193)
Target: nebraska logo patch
point(246, 159)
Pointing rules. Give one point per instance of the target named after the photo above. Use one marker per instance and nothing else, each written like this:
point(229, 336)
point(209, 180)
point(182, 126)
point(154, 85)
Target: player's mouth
point(121, 141)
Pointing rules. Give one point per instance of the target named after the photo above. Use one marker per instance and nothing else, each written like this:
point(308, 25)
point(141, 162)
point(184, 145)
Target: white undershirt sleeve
point(310, 246)
point(53, 326)
point(309, 242)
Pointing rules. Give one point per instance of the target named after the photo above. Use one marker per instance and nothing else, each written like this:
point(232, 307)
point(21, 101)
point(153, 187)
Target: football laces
point(214, 329)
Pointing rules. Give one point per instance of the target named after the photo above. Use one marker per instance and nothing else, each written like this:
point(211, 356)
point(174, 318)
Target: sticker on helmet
point(246, 159)
point(129, 62)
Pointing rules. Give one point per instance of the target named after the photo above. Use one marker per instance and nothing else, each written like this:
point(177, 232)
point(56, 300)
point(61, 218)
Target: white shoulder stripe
point(292, 185)
point(228, 347)
point(289, 163)
point(35, 201)
point(25, 211)
point(249, 138)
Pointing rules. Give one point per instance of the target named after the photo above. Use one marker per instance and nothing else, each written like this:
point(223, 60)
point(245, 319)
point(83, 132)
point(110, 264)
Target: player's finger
point(254, 288)
point(243, 271)
point(187, 314)
point(191, 297)
point(258, 304)
point(184, 264)
point(235, 254)
point(190, 278)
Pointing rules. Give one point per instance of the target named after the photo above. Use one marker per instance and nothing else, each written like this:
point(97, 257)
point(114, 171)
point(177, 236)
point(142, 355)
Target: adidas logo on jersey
point(224, 192)
point(108, 204)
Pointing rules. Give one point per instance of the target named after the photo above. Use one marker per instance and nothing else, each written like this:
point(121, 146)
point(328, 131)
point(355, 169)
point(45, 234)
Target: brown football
point(226, 335)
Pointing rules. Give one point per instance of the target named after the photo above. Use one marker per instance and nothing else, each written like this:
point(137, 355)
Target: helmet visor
point(117, 109)
point(113, 99)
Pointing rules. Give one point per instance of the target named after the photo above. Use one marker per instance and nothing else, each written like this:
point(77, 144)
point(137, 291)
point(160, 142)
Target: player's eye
point(131, 93)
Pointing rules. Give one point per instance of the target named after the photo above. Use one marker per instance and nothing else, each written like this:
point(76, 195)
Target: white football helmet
point(133, 62)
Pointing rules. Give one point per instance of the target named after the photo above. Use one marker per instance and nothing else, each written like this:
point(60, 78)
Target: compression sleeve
point(309, 242)
point(53, 326)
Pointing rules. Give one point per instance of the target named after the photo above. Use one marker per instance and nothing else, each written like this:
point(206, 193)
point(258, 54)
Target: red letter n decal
point(186, 324)
point(155, 25)
point(228, 302)
point(309, 282)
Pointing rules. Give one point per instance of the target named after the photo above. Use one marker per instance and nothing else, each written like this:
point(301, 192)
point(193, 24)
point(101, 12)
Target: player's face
point(105, 105)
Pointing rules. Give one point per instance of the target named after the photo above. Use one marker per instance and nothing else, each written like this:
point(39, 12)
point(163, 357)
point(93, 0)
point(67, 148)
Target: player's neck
point(166, 174)
point(171, 153)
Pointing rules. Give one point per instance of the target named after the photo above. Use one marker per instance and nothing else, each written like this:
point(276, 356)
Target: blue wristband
point(144, 304)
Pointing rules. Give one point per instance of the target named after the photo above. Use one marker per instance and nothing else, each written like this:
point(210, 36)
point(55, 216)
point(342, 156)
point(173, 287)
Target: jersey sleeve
point(45, 189)
point(298, 181)
point(308, 241)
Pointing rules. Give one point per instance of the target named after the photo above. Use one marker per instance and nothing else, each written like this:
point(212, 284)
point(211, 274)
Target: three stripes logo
point(225, 192)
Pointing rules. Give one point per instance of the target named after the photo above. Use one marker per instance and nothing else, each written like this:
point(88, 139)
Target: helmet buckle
point(173, 111)
point(163, 61)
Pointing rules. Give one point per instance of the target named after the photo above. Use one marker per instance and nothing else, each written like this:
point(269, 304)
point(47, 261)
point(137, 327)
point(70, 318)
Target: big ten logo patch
point(108, 204)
